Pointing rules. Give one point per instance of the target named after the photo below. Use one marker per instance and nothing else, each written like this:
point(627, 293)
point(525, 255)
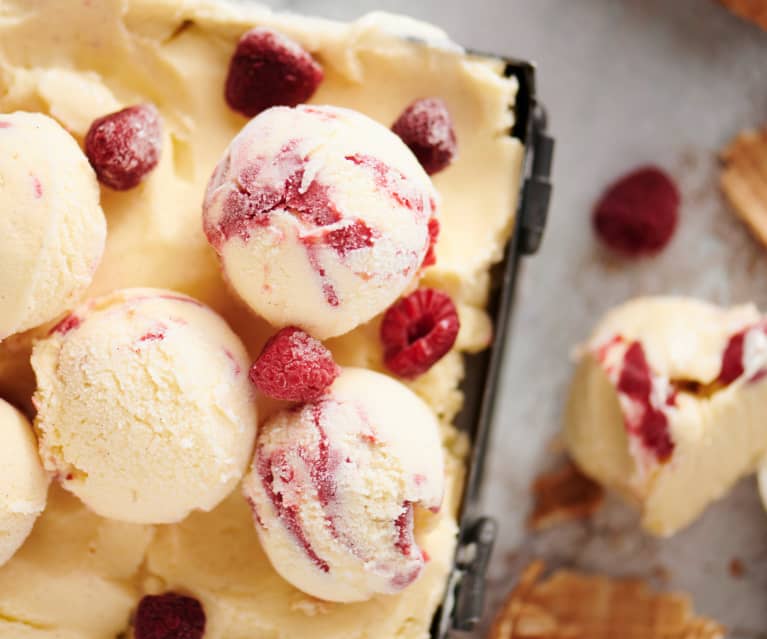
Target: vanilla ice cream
point(52, 228)
point(667, 405)
point(24, 485)
point(79, 575)
point(145, 411)
point(335, 484)
point(320, 216)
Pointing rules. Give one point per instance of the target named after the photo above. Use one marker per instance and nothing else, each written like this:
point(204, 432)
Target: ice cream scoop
point(24, 486)
point(144, 406)
point(52, 228)
point(335, 486)
point(320, 217)
point(667, 405)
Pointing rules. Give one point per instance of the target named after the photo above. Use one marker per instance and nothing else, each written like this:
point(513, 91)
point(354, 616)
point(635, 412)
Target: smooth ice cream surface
point(80, 65)
point(24, 484)
point(52, 228)
point(320, 217)
point(335, 484)
point(666, 405)
point(145, 411)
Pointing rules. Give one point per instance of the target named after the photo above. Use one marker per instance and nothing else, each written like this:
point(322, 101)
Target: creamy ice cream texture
point(334, 487)
point(24, 485)
point(320, 217)
point(52, 228)
point(667, 404)
point(155, 239)
point(145, 411)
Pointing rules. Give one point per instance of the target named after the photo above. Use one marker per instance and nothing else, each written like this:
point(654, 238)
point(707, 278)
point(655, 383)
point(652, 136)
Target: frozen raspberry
point(417, 331)
point(124, 146)
point(637, 215)
point(426, 127)
point(269, 69)
point(294, 366)
point(169, 616)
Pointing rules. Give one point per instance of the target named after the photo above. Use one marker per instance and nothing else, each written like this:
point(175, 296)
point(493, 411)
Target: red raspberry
point(427, 128)
point(637, 215)
point(418, 331)
point(124, 146)
point(294, 366)
point(169, 616)
point(269, 69)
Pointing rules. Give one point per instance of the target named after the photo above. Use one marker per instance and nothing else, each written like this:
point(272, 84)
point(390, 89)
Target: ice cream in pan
point(143, 417)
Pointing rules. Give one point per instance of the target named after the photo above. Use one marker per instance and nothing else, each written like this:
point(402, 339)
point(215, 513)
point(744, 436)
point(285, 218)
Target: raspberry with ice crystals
point(269, 69)
point(123, 147)
point(294, 366)
point(427, 128)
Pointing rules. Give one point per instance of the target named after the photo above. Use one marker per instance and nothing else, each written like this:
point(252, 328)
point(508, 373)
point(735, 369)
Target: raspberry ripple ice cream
point(337, 487)
point(24, 486)
point(321, 217)
point(145, 411)
point(52, 228)
point(667, 405)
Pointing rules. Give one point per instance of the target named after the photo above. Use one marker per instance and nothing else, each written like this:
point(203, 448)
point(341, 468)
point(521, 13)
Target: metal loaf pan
point(463, 604)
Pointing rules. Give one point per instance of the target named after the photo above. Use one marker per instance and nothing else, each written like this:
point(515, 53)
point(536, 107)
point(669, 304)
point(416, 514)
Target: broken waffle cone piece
point(569, 605)
point(753, 10)
point(564, 495)
point(744, 179)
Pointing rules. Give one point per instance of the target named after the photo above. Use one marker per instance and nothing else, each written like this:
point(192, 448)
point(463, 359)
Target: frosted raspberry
point(427, 128)
point(637, 215)
point(124, 146)
point(269, 69)
point(294, 366)
point(418, 331)
point(169, 616)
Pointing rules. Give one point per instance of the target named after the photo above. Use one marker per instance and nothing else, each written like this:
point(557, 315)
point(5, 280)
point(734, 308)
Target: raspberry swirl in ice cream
point(320, 216)
point(335, 483)
point(644, 396)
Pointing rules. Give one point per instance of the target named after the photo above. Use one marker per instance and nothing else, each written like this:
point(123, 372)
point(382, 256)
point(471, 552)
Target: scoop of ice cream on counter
point(336, 484)
point(52, 228)
point(320, 216)
point(145, 410)
point(24, 486)
point(667, 404)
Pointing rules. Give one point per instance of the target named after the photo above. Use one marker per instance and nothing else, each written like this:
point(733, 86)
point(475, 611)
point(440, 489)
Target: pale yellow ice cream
point(145, 411)
point(24, 484)
point(320, 217)
point(696, 432)
point(79, 65)
point(335, 486)
point(52, 227)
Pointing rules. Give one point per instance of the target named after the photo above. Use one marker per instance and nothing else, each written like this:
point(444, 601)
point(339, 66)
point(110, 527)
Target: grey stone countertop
point(626, 82)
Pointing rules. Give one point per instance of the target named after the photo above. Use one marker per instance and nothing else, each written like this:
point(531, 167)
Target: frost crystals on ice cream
point(335, 486)
point(320, 217)
point(24, 485)
point(145, 410)
point(52, 228)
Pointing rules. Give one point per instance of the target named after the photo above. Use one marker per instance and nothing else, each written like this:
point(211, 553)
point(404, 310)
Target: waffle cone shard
point(744, 179)
point(752, 10)
point(563, 495)
point(570, 605)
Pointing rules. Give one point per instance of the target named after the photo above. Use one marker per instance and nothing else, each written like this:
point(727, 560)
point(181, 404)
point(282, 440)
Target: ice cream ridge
point(242, 256)
point(666, 405)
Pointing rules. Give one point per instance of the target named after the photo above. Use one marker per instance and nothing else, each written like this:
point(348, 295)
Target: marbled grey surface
point(626, 82)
